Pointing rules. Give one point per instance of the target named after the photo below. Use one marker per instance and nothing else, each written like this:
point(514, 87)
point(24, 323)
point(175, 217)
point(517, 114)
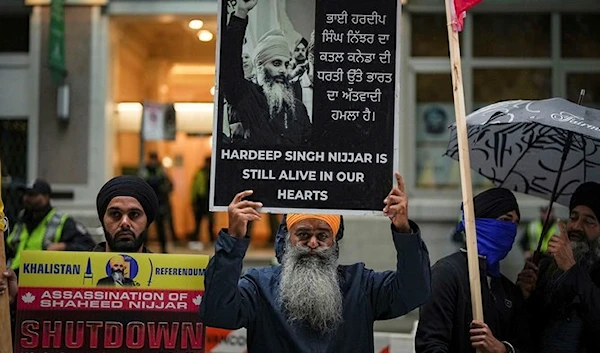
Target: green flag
point(56, 42)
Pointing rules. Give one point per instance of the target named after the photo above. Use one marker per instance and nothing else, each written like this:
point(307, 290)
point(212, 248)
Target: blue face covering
point(494, 240)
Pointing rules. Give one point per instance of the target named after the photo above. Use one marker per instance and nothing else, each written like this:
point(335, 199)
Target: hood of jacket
point(282, 233)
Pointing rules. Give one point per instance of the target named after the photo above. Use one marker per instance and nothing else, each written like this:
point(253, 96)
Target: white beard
point(118, 277)
point(277, 93)
point(309, 290)
point(586, 253)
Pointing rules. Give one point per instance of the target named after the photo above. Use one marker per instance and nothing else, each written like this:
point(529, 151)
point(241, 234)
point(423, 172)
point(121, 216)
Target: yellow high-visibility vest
point(48, 231)
point(534, 231)
point(3, 220)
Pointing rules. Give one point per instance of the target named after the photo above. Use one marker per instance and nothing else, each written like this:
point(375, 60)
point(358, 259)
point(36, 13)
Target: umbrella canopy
point(540, 148)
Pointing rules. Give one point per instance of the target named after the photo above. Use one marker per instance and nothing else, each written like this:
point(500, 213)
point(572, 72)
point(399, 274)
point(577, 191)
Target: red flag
point(459, 12)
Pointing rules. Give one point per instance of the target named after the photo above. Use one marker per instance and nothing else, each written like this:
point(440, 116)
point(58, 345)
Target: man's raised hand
point(8, 284)
point(527, 278)
point(396, 206)
point(243, 7)
point(240, 212)
point(560, 248)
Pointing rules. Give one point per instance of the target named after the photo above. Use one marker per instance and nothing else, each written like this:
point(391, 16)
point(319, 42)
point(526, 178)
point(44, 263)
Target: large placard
point(101, 302)
point(307, 104)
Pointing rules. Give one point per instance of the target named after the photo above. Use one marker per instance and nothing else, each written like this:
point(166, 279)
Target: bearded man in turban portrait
point(268, 110)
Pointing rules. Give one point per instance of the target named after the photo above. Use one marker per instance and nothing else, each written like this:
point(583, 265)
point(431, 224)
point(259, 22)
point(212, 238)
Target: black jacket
point(110, 282)
point(74, 235)
point(444, 321)
point(565, 316)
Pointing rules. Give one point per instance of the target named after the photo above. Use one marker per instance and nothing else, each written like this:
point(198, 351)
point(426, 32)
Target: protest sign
point(99, 302)
point(307, 104)
point(159, 122)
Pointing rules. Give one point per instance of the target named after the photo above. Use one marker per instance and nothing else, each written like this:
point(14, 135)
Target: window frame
point(559, 67)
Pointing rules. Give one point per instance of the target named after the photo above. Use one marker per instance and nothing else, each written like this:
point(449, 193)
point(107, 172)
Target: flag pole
point(5, 332)
point(465, 166)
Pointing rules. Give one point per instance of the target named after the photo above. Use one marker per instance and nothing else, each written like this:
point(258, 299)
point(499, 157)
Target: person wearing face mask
point(42, 227)
point(563, 290)
point(446, 322)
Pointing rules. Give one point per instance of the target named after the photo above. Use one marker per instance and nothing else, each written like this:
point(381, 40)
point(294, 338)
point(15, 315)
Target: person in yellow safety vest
point(200, 203)
point(533, 231)
point(156, 176)
point(3, 220)
point(42, 227)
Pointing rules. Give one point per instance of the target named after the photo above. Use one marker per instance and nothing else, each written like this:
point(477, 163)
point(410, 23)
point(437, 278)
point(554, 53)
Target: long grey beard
point(309, 290)
point(277, 94)
point(585, 254)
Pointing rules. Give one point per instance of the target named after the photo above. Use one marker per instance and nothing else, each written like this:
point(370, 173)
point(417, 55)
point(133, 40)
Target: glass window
point(13, 153)
point(590, 82)
point(435, 112)
point(429, 36)
point(17, 24)
point(580, 35)
point(493, 85)
point(514, 35)
point(434, 88)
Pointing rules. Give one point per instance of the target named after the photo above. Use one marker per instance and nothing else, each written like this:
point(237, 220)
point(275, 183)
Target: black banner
point(329, 147)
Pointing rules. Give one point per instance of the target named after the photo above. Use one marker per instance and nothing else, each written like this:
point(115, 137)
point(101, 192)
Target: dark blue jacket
point(231, 303)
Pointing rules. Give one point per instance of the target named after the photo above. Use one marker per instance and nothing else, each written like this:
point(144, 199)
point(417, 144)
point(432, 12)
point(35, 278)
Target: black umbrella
point(545, 148)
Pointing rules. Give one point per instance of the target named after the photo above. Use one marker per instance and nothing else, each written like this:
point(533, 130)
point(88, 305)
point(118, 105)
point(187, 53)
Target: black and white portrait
point(265, 75)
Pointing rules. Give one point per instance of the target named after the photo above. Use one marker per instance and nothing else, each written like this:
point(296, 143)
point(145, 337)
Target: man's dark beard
point(309, 289)
point(277, 93)
point(115, 244)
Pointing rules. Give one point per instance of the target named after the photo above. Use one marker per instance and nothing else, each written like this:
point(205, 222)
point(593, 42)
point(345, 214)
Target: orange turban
point(332, 220)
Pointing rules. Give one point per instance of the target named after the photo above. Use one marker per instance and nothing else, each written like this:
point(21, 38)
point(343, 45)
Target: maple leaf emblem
point(28, 298)
point(197, 300)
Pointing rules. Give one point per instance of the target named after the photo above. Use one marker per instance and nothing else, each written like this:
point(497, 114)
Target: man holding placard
point(311, 303)
point(126, 207)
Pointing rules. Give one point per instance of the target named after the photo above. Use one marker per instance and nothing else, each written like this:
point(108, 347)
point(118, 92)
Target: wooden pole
point(5, 331)
point(465, 166)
